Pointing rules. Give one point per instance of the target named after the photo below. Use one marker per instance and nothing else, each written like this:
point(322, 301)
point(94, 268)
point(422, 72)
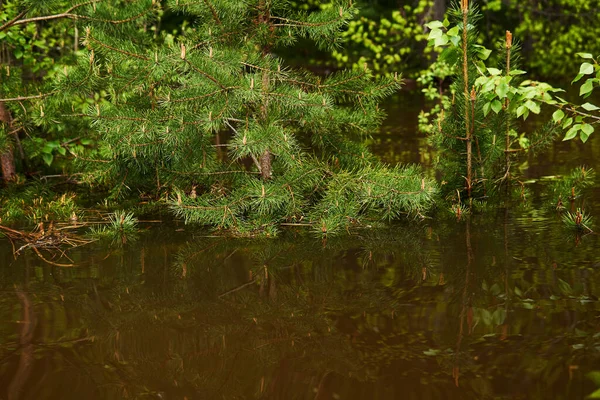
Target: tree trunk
point(439, 9)
point(265, 165)
point(7, 158)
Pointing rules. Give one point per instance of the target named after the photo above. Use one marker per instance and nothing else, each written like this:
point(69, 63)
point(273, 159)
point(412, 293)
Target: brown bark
point(468, 138)
point(265, 165)
point(7, 158)
point(439, 9)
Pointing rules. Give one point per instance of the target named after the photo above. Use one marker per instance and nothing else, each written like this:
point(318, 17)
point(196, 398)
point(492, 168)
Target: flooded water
point(500, 305)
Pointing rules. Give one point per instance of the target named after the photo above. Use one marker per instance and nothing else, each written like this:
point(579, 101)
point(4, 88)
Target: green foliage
point(38, 41)
point(121, 228)
point(220, 121)
point(485, 106)
point(572, 186)
point(553, 32)
point(434, 80)
point(387, 42)
point(579, 120)
point(36, 202)
point(578, 220)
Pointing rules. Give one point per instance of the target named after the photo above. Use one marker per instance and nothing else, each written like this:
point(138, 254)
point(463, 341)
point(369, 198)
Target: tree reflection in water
point(418, 313)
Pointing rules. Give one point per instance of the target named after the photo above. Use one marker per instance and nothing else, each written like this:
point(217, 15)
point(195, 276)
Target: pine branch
point(213, 11)
point(303, 24)
point(23, 98)
point(186, 99)
point(127, 53)
point(205, 74)
point(68, 14)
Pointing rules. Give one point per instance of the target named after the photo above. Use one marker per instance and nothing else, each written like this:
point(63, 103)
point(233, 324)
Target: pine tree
point(217, 120)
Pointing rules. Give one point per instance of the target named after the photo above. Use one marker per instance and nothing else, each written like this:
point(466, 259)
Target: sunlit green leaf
point(558, 115)
point(434, 25)
point(533, 106)
point(586, 69)
point(578, 77)
point(571, 133)
point(590, 107)
point(567, 122)
point(496, 106)
point(435, 34)
point(585, 55)
point(587, 87)
point(502, 90)
point(453, 32)
point(515, 72)
point(494, 71)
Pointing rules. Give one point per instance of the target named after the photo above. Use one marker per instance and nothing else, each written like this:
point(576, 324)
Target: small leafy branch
point(488, 103)
point(580, 119)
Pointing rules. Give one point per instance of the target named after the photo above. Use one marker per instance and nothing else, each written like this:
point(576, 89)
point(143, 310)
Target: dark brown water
point(502, 305)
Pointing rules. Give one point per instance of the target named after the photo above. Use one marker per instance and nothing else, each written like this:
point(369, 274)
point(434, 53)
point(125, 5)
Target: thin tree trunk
point(439, 9)
point(7, 158)
point(266, 157)
point(265, 165)
point(508, 46)
point(465, 12)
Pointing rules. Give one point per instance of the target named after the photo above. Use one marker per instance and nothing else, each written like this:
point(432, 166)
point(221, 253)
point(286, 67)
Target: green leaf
point(587, 87)
point(533, 106)
point(453, 32)
point(517, 72)
point(484, 53)
point(590, 107)
point(587, 56)
point(586, 131)
point(486, 108)
point(48, 158)
point(558, 115)
point(494, 71)
point(567, 122)
point(496, 106)
point(521, 110)
point(586, 69)
point(434, 25)
point(441, 41)
point(435, 34)
point(502, 90)
point(578, 77)
point(571, 133)
point(62, 151)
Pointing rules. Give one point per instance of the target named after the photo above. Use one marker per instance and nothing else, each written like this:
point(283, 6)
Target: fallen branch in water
point(46, 238)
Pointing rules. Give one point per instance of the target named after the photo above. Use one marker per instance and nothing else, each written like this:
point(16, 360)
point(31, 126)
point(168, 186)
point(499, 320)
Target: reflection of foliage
point(572, 186)
point(376, 312)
